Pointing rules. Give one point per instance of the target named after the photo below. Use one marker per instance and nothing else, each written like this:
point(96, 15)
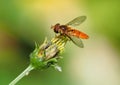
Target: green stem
point(24, 73)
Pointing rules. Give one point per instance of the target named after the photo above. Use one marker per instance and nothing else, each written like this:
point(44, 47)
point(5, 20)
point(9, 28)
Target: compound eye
point(55, 31)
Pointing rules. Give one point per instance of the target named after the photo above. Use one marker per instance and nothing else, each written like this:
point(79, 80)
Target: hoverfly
point(73, 34)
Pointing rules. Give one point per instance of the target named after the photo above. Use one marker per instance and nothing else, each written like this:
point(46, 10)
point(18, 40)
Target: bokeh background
point(22, 22)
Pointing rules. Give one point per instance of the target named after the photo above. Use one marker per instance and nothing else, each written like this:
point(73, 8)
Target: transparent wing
point(77, 21)
point(77, 41)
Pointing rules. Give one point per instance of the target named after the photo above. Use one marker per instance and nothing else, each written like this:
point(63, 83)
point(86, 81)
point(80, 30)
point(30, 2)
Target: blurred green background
point(22, 22)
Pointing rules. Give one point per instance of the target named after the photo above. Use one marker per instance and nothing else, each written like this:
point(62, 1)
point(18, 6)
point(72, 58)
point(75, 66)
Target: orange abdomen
point(77, 33)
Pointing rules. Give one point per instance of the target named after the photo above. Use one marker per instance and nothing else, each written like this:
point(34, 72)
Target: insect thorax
point(63, 29)
point(60, 28)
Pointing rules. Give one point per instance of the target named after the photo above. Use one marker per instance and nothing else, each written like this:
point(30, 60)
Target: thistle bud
point(48, 53)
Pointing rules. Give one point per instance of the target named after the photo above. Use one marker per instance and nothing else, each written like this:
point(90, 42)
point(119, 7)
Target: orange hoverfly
point(73, 34)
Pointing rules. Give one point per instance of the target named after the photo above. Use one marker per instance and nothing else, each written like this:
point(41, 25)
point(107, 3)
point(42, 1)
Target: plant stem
point(24, 73)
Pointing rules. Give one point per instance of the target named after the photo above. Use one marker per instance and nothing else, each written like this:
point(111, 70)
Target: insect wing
point(77, 21)
point(77, 41)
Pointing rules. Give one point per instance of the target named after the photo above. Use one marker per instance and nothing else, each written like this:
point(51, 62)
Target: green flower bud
point(48, 53)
